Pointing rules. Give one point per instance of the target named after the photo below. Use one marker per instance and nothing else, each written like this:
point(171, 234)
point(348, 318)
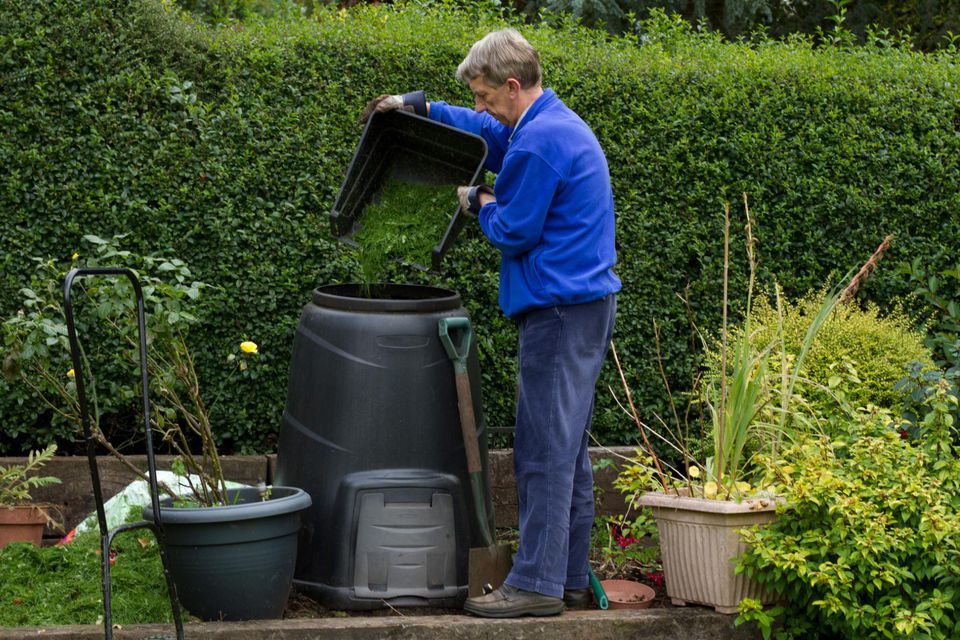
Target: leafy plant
point(738, 394)
point(36, 349)
point(38, 357)
point(858, 352)
point(620, 541)
point(931, 407)
point(17, 480)
point(751, 408)
point(866, 544)
point(839, 35)
point(940, 293)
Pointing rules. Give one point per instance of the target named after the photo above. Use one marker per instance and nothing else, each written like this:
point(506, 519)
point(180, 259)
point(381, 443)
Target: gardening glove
point(413, 102)
point(470, 197)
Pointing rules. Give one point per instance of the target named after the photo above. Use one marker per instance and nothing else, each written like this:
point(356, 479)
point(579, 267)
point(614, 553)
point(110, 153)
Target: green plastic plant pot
point(234, 562)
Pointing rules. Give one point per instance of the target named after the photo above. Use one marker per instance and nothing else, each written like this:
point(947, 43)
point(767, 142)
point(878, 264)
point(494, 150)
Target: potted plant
point(231, 551)
point(701, 509)
point(20, 520)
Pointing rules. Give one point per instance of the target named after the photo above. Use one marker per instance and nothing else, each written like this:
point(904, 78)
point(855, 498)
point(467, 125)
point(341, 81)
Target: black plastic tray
point(401, 146)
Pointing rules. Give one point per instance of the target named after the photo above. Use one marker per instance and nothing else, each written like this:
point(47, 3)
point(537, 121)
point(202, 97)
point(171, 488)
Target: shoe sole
point(545, 610)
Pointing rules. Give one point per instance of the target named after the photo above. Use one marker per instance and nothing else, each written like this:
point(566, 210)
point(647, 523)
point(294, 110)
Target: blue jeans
point(561, 351)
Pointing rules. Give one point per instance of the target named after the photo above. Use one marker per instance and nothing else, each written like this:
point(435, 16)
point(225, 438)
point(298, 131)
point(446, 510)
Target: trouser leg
point(561, 352)
point(581, 519)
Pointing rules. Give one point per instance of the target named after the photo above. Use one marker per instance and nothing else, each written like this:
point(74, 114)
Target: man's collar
point(533, 109)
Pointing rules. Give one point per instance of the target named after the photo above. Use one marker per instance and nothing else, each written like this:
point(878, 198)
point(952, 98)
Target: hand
point(381, 104)
point(414, 102)
point(473, 198)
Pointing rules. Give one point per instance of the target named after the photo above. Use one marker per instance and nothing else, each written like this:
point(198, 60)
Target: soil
point(303, 606)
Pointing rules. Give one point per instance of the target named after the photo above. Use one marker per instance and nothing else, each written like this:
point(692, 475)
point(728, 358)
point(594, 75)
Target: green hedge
point(226, 147)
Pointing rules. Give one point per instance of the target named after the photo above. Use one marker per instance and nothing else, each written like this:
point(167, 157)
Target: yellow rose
point(694, 472)
point(71, 374)
point(743, 487)
point(75, 256)
point(248, 347)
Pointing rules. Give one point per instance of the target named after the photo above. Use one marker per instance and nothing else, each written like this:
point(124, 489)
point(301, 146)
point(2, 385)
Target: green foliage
point(16, 479)
point(931, 399)
point(618, 542)
point(927, 24)
point(867, 545)
point(35, 348)
point(939, 293)
point(858, 356)
point(222, 11)
point(226, 148)
point(752, 406)
point(59, 585)
point(38, 354)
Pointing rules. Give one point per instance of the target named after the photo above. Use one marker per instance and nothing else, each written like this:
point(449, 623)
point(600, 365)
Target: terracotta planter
point(627, 594)
point(22, 524)
point(699, 540)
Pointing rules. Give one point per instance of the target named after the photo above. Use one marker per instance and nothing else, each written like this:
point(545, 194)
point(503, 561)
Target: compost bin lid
point(401, 146)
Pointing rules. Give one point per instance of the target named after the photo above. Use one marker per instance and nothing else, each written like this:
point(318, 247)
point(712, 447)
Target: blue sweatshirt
point(553, 219)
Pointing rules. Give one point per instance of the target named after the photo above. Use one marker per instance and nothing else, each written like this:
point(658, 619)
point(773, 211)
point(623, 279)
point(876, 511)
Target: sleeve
point(525, 188)
point(484, 125)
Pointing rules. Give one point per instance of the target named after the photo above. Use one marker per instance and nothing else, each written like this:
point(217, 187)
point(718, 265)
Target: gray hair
point(500, 55)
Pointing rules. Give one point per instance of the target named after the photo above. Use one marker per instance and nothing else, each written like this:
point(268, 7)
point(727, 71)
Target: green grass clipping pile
point(60, 585)
point(404, 225)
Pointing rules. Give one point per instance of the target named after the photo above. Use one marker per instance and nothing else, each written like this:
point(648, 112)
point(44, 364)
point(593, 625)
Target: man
point(550, 214)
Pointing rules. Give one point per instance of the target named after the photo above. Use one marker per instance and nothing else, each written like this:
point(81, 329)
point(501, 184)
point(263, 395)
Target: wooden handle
point(468, 423)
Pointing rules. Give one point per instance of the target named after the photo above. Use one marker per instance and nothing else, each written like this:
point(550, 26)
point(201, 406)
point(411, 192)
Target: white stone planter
point(699, 540)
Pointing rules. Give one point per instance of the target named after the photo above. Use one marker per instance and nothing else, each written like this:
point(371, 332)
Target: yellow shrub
point(857, 352)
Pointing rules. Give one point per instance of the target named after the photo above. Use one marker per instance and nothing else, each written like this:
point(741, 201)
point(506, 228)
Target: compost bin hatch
point(401, 146)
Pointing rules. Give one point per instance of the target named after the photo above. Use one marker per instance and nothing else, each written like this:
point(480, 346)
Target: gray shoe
point(577, 598)
point(510, 602)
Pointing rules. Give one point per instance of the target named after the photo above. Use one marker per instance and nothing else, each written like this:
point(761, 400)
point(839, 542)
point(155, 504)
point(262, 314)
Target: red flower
point(623, 540)
point(656, 577)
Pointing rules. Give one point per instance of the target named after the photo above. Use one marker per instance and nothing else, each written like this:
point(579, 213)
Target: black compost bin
point(371, 431)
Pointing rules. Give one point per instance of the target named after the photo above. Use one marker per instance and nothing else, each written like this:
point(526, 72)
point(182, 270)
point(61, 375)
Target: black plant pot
point(234, 562)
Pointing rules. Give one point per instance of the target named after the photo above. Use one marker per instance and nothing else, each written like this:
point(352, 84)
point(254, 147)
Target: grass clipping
point(60, 585)
point(403, 226)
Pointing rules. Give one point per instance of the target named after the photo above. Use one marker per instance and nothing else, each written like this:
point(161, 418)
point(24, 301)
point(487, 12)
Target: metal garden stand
point(107, 535)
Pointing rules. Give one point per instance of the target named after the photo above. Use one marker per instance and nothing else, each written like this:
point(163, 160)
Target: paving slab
point(667, 623)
